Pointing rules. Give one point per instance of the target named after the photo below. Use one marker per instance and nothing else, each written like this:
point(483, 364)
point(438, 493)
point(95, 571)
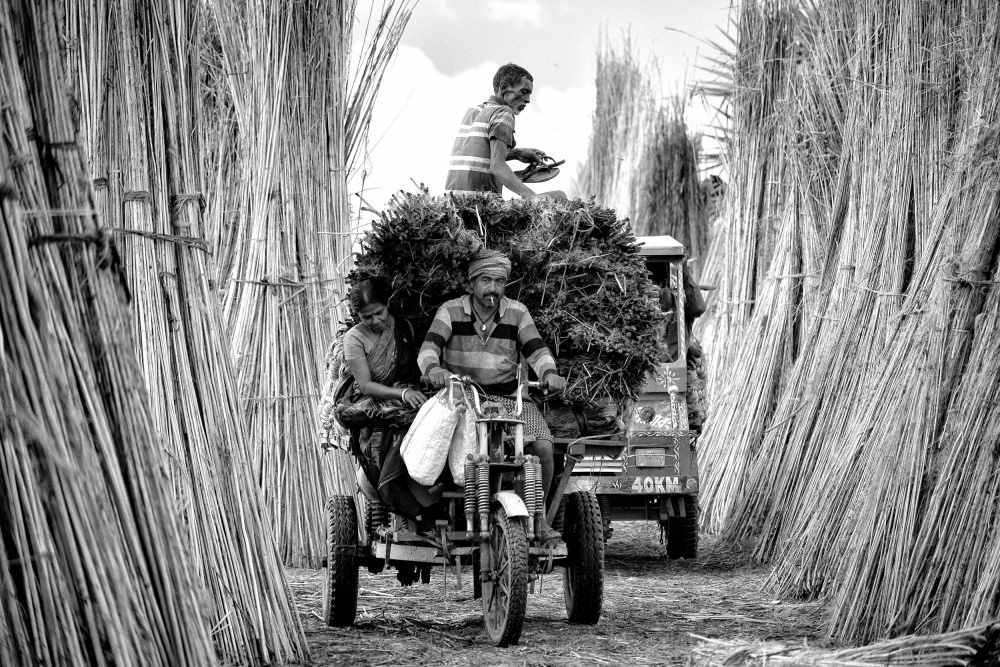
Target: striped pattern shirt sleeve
point(469, 166)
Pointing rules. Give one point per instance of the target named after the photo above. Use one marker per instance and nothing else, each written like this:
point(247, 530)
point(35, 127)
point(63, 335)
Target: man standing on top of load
point(485, 140)
point(483, 335)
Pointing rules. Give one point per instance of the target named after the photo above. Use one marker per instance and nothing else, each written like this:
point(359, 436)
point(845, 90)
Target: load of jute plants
point(575, 265)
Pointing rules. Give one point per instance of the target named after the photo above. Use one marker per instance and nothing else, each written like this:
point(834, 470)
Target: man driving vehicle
point(485, 140)
point(483, 335)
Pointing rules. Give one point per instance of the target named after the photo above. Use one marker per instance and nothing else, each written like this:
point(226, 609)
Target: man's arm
point(499, 168)
point(429, 357)
point(537, 353)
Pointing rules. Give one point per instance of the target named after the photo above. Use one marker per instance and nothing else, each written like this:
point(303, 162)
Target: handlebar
point(465, 381)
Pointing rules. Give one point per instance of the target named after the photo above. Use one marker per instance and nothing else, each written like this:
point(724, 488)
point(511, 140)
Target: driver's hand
point(439, 377)
point(555, 383)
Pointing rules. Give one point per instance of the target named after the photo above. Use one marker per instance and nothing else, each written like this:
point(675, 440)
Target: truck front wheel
point(682, 531)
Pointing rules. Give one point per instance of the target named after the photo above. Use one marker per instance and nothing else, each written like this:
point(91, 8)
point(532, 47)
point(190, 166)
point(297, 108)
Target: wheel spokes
point(499, 585)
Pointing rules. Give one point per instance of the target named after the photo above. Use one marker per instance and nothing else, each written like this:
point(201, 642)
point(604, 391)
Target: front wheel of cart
point(341, 599)
point(583, 576)
point(505, 589)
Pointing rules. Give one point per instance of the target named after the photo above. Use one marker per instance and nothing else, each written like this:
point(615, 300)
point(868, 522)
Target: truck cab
point(655, 477)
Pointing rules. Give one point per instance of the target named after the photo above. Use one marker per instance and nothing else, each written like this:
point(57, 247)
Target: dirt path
point(652, 606)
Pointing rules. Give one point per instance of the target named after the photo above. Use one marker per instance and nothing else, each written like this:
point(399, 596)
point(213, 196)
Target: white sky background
point(452, 48)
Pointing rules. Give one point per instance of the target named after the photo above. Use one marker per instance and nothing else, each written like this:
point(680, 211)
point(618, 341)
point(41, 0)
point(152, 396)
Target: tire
point(340, 604)
point(682, 531)
point(583, 576)
point(505, 598)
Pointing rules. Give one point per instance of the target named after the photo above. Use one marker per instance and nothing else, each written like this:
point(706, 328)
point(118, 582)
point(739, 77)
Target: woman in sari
point(381, 353)
point(381, 356)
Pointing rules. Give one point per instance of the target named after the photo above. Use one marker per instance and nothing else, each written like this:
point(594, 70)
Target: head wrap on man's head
point(491, 262)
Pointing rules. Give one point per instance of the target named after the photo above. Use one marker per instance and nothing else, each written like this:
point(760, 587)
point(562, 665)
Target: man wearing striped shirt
point(485, 140)
point(484, 335)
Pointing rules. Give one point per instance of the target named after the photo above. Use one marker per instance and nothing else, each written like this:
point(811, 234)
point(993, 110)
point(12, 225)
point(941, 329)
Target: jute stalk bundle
point(845, 485)
point(94, 567)
point(299, 123)
point(623, 116)
point(641, 160)
point(148, 170)
point(676, 203)
point(971, 647)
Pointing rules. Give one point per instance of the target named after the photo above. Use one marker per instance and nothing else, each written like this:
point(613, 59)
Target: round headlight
point(691, 484)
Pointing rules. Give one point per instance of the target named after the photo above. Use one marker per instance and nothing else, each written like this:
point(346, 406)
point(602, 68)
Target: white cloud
point(418, 111)
point(440, 7)
point(517, 12)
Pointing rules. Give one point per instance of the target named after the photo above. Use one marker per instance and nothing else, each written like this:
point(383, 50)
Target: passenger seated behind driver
point(380, 352)
point(482, 335)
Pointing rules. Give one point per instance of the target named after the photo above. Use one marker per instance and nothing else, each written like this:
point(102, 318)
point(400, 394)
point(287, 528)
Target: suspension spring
point(377, 516)
point(483, 488)
point(539, 492)
point(530, 498)
point(470, 495)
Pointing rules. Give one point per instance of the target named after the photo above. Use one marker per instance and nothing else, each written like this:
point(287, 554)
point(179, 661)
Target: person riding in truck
point(483, 335)
point(485, 140)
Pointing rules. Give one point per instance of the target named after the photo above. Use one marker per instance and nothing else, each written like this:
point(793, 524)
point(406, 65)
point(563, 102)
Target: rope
point(188, 241)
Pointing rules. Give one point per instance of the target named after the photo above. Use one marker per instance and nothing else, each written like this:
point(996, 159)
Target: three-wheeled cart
point(491, 524)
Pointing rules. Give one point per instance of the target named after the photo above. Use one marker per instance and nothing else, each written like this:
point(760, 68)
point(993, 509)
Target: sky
point(451, 49)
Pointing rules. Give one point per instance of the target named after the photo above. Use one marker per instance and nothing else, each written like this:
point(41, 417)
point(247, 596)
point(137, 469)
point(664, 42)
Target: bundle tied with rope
point(574, 264)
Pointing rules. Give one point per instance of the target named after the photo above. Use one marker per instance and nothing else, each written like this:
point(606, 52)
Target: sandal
point(539, 172)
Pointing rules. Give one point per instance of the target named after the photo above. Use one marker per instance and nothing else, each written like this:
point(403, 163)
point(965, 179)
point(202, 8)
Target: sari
point(377, 426)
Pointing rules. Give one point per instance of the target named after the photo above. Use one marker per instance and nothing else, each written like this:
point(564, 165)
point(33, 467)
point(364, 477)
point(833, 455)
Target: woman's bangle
point(402, 396)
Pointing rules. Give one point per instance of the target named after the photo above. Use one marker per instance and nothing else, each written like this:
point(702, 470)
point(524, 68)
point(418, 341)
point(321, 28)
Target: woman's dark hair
point(367, 292)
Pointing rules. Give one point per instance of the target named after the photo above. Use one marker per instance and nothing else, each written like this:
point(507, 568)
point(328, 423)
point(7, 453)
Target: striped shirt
point(469, 167)
point(454, 343)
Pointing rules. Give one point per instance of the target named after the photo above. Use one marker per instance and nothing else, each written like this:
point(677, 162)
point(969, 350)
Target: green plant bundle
point(575, 265)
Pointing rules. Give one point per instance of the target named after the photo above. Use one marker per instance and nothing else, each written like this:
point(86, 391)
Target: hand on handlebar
point(438, 377)
point(554, 383)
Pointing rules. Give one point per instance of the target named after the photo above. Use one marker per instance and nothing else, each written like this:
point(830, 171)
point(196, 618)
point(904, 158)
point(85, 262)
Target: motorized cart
point(490, 524)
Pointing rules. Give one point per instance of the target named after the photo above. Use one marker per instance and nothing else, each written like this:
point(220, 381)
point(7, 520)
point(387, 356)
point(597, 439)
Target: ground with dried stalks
point(653, 607)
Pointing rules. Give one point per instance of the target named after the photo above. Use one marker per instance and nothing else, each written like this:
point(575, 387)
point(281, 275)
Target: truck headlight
point(691, 484)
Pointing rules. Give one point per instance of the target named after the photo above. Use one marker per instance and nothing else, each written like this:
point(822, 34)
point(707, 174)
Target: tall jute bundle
point(95, 565)
point(141, 65)
point(861, 475)
point(299, 108)
point(641, 159)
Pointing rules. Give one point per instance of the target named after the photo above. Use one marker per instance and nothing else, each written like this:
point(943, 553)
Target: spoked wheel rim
point(505, 593)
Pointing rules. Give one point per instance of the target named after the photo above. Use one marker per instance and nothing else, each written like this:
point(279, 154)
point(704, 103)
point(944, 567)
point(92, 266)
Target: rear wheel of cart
point(505, 590)
point(682, 531)
point(341, 599)
point(583, 576)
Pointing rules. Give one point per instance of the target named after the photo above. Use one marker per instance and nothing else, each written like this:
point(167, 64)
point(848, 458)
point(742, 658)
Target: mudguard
point(511, 503)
